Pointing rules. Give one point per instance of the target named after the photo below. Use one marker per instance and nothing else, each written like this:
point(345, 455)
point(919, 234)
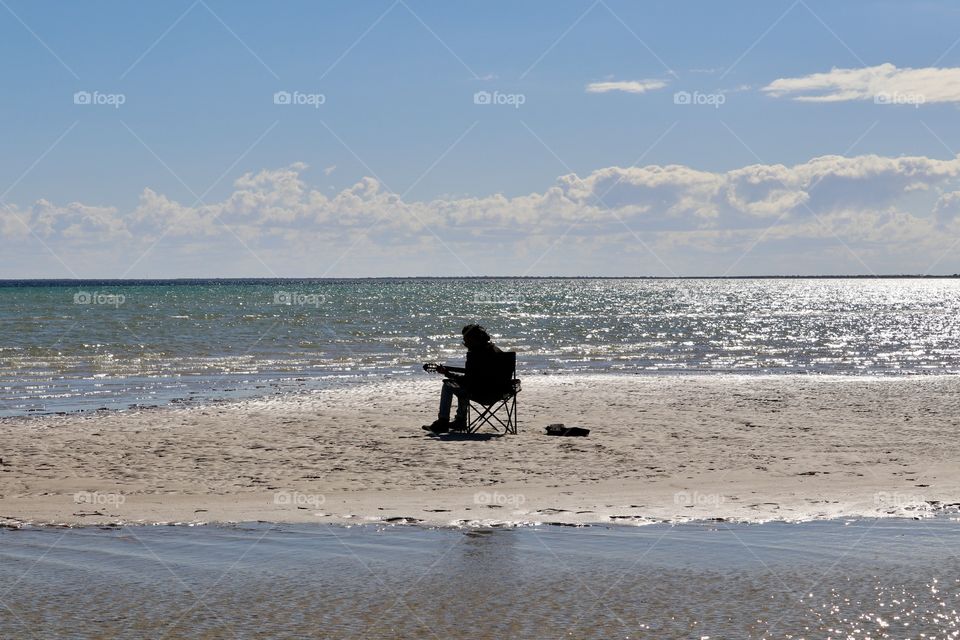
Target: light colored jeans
point(450, 389)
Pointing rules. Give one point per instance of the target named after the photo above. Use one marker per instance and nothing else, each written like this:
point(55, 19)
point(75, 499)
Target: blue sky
point(197, 83)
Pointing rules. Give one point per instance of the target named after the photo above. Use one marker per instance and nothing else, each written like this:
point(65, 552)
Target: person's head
point(475, 336)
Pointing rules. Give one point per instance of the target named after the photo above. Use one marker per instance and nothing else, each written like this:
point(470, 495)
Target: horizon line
point(7, 281)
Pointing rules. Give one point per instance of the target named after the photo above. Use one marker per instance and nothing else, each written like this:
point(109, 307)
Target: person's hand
point(441, 369)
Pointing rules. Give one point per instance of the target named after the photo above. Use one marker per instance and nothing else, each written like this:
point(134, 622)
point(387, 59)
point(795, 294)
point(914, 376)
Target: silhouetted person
point(478, 369)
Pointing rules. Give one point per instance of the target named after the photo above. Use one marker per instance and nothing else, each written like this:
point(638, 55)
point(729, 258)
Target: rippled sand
point(887, 579)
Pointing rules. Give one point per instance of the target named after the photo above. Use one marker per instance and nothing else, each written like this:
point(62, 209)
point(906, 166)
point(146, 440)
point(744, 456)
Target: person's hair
point(475, 329)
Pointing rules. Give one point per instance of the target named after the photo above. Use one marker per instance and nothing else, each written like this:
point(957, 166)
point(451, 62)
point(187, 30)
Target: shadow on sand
point(465, 437)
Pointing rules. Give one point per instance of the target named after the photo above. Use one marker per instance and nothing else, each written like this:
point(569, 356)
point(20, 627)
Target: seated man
point(460, 381)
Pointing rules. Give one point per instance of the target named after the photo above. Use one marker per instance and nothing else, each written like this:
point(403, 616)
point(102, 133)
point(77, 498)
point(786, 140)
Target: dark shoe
point(438, 426)
point(458, 425)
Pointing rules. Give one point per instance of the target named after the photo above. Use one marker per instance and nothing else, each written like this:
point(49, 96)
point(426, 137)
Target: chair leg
point(489, 416)
point(479, 415)
point(484, 416)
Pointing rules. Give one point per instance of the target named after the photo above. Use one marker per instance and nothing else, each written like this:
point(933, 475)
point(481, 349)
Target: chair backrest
point(501, 372)
point(506, 366)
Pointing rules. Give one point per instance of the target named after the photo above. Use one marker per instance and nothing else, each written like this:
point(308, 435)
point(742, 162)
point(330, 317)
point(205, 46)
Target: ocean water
point(829, 579)
point(87, 345)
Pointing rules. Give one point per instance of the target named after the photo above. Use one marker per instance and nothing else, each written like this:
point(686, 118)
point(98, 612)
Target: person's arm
point(454, 373)
point(432, 367)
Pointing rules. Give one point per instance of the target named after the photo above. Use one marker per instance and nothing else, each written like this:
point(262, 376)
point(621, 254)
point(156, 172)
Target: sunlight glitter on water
point(188, 336)
point(891, 579)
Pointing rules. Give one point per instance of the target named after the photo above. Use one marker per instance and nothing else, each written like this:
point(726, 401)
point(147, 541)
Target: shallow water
point(85, 345)
point(853, 579)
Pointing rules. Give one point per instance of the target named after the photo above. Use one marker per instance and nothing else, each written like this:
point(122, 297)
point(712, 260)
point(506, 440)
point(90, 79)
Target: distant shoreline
point(53, 282)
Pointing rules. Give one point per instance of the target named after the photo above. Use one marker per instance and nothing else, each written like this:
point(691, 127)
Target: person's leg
point(446, 399)
point(442, 423)
point(463, 404)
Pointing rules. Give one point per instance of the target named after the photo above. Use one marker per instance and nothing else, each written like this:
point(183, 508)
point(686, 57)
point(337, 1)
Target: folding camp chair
point(495, 405)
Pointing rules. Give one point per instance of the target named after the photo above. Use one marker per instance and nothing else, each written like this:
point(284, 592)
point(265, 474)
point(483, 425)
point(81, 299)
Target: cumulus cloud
point(627, 86)
point(881, 204)
point(947, 208)
point(883, 83)
point(74, 221)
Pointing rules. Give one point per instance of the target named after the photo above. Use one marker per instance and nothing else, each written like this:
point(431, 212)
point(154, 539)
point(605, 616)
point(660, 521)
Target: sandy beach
point(746, 448)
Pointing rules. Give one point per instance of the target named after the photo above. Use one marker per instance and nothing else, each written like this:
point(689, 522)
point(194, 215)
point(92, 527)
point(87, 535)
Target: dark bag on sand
point(561, 430)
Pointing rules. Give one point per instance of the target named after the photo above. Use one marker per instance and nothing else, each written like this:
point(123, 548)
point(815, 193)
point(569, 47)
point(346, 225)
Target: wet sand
point(661, 448)
point(878, 579)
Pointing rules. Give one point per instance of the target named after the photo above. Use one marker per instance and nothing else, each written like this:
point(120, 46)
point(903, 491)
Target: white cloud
point(947, 208)
point(627, 86)
point(883, 83)
point(898, 210)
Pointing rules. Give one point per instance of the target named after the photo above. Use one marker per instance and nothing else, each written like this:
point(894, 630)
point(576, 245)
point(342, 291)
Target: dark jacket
point(481, 368)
